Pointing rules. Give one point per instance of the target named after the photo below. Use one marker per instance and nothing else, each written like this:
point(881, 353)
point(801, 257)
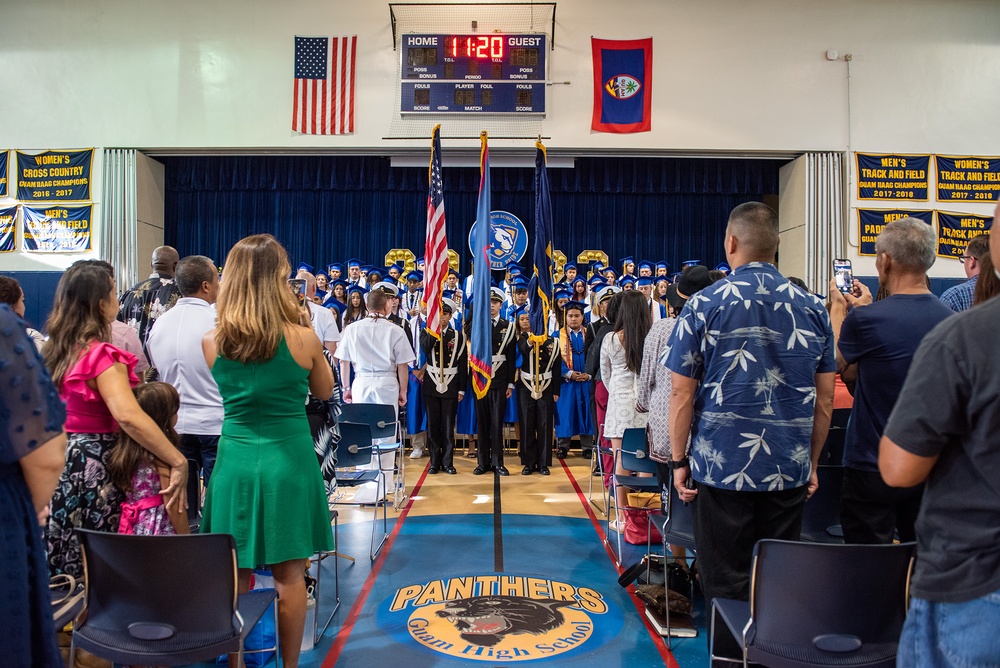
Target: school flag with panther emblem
point(623, 77)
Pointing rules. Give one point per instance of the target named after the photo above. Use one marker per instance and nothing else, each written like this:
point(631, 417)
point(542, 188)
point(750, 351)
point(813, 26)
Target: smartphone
point(298, 286)
point(844, 275)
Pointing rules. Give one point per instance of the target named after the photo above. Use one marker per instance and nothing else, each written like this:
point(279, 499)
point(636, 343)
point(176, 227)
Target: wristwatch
point(673, 465)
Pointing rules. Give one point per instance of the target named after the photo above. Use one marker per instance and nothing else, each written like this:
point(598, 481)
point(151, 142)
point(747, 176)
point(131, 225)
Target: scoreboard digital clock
point(491, 73)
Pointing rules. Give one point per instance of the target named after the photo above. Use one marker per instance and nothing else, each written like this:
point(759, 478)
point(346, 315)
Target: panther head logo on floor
point(485, 620)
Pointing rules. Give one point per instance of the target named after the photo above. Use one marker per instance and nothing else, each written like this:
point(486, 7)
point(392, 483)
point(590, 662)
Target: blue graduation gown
point(573, 408)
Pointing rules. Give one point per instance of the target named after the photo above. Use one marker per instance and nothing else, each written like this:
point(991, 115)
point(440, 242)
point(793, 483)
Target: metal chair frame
point(381, 427)
point(355, 441)
point(634, 457)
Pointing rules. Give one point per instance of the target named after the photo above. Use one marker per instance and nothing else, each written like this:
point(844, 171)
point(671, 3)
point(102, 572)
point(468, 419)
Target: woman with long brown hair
point(356, 309)
point(621, 363)
point(266, 489)
point(95, 379)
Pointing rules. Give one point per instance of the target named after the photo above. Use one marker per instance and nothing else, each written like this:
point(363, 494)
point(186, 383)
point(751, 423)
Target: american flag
point(436, 246)
point(323, 103)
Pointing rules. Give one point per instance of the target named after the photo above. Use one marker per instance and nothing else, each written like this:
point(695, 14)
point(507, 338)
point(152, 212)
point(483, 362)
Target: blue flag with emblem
point(541, 282)
point(481, 342)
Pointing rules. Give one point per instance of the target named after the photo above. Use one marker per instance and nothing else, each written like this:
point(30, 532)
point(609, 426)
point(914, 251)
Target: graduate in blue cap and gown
point(658, 307)
point(410, 299)
point(519, 297)
point(645, 269)
point(570, 273)
point(356, 309)
point(662, 268)
point(626, 283)
point(562, 296)
point(573, 416)
point(628, 267)
point(354, 272)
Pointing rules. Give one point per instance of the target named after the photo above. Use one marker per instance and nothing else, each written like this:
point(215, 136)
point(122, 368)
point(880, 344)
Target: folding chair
point(821, 515)
point(67, 600)
point(814, 604)
point(317, 561)
point(381, 419)
point(355, 449)
point(164, 600)
point(634, 458)
point(676, 527)
point(597, 471)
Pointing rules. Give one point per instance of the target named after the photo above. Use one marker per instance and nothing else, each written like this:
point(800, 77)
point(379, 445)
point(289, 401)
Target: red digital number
point(481, 46)
point(496, 47)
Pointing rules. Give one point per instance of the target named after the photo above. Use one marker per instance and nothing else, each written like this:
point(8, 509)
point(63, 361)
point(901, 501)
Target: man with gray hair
point(174, 347)
point(875, 345)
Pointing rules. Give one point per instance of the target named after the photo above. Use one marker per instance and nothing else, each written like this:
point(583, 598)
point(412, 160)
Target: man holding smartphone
point(875, 345)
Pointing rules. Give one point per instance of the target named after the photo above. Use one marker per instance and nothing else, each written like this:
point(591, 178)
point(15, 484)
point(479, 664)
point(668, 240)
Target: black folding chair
point(821, 515)
point(814, 604)
point(634, 458)
point(381, 420)
point(164, 600)
point(355, 449)
point(676, 527)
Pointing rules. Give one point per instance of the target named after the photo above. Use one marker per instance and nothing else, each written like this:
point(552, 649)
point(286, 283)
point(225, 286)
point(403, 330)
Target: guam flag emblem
point(623, 72)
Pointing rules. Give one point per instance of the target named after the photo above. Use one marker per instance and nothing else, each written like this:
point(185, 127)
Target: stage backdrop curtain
point(118, 238)
point(824, 217)
point(332, 208)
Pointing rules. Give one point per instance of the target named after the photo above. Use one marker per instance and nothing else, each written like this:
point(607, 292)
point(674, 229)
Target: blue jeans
point(202, 449)
point(951, 635)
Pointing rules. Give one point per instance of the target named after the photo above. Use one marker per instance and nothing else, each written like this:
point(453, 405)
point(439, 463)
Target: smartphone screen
point(844, 275)
point(298, 287)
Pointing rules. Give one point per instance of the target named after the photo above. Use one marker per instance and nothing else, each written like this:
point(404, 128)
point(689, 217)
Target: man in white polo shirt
point(323, 322)
point(175, 343)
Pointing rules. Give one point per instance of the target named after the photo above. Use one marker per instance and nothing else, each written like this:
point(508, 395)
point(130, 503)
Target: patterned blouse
point(756, 343)
point(141, 305)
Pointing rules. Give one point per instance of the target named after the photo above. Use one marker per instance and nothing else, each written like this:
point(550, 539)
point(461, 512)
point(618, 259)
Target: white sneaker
point(417, 453)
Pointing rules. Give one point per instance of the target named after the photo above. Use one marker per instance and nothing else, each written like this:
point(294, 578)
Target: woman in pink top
point(95, 379)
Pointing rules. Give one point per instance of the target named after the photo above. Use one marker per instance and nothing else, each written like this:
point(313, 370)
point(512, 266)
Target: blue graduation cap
point(690, 263)
point(646, 264)
point(625, 261)
point(595, 280)
point(578, 279)
point(723, 266)
point(519, 283)
point(338, 281)
point(568, 266)
point(608, 270)
point(354, 262)
point(415, 275)
point(321, 295)
point(626, 280)
point(644, 281)
point(321, 273)
point(357, 288)
point(579, 306)
point(519, 311)
point(661, 279)
point(333, 303)
point(563, 293)
point(674, 277)
point(597, 265)
point(420, 261)
point(335, 267)
point(374, 271)
point(304, 266)
point(663, 264)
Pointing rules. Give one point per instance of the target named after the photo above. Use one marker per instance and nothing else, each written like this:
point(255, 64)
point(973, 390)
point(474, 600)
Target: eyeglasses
point(967, 257)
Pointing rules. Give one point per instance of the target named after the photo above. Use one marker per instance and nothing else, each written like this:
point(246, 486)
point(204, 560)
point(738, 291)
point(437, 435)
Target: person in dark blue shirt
point(879, 340)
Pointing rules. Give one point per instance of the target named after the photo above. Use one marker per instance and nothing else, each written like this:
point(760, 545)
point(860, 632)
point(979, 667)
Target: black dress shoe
point(527, 470)
point(450, 470)
point(561, 453)
point(480, 470)
point(543, 471)
point(587, 454)
point(502, 470)
point(432, 470)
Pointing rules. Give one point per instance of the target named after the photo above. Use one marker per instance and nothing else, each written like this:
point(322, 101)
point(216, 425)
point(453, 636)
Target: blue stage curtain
point(330, 208)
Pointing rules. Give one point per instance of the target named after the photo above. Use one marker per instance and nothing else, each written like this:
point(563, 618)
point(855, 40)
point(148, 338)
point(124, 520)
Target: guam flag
point(623, 77)
point(481, 343)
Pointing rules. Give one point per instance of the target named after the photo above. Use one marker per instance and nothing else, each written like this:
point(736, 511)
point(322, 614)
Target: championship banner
point(623, 78)
point(57, 229)
point(969, 178)
point(54, 176)
point(4, 159)
point(871, 222)
point(7, 217)
point(955, 230)
point(892, 176)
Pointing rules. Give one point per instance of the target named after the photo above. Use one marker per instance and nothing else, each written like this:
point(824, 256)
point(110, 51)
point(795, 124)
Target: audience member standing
point(12, 295)
point(609, 300)
point(323, 321)
point(959, 298)
point(266, 490)
point(95, 379)
point(175, 349)
point(380, 354)
point(880, 339)
point(621, 363)
point(143, 303)
point(943, 430)
point(32, 454)
point(753, 365)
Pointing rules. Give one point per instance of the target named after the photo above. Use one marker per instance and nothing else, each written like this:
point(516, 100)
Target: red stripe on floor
point(640, 607)
point(359, 603)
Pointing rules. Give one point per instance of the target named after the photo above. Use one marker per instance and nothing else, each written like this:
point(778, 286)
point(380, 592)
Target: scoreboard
point(491, 73)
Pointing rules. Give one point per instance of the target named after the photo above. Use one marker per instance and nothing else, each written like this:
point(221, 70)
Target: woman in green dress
point(266, 488)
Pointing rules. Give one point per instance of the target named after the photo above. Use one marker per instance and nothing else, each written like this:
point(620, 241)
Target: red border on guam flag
point(623, 90)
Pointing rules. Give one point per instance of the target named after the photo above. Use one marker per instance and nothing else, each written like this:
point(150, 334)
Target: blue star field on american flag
point(310, 57)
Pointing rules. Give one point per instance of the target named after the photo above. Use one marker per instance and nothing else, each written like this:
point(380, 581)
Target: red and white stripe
point(326, 107)
point(435, 265)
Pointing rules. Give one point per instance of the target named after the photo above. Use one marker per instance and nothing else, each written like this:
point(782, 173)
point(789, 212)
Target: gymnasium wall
point(730, 76)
